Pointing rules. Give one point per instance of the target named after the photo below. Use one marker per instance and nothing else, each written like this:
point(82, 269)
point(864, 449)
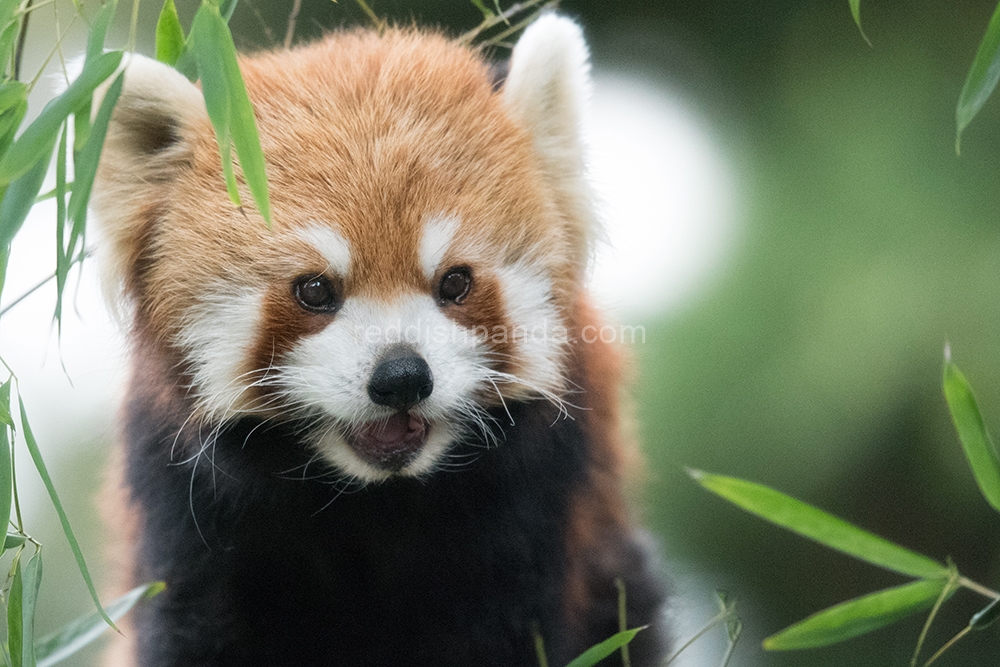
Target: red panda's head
point(430, 233)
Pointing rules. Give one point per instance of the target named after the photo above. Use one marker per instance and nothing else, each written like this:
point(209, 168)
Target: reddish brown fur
point(339, 154)
point(600, 508)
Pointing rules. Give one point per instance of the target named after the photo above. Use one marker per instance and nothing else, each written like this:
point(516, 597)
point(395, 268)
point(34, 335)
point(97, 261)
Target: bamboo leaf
point(29, 599)
point(981, 79)
point(62, 257)
point(243, 129)
point(10, 121)
point(856, 13)
point(8, 35)
point(228, 105)
point(214, 84)
point(4, 256)
point(38, 138)
point(5, 414)
point(481, 6)
point(818, 525)
point(12, 540)
point(226, 8)
point(86, 161)
point(8, 10)
point(858, 616)
point(21, 611)
point(186, 63)
point(15, 616)
point(20, 197)
point(10, 26)
point(11, 94)
point(6, 478)
point(169, 34)
point(99, 30)
point(976, 443)
point(598, 652)
point(76, 634)
point(95, 47)
point(36, 457)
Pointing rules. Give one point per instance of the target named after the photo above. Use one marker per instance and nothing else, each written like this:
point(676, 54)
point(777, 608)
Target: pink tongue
point(393, 430)
point(389, 443)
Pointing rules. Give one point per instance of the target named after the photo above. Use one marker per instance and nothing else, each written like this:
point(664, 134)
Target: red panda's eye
point(316, 294)
point(455, 285)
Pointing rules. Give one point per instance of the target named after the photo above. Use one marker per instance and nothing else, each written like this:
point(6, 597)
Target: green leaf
point(32, 582)
point(8, 35)
point(243, 129)
point(38, 139)
point(859, 616)
point(5, 414)
point(62, 259)
point(6, 480)
point(10, 121)
point(4, 256)
point(856, 13)
point(481, 6)
point(226, 8)
point(818, 525)
point(169, 34)
point(979, 449)
point(205, 38)
point(11, 94)
point(598, 652)
point(8, 9)
point(20, 197)
point(10, 26)
point(15, 618)
point(99, 30)
point(76, 634)
point(228, 105)
point(36, 457)
point(21, 611)
point(13, 540)
point(981, 80)
point(86, 161)
point(95, 47)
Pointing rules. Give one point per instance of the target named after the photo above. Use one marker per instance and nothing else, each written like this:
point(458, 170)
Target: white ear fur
point(155, 91)
point(546, 91)
point(144, 149)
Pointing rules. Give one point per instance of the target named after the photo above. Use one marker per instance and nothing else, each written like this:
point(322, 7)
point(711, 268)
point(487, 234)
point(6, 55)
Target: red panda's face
point(428, 241)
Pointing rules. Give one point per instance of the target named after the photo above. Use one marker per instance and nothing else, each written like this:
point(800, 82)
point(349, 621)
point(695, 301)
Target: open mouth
point(389, 444)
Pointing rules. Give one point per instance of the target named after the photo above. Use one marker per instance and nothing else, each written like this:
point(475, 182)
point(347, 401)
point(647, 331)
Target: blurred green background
point(811, 360)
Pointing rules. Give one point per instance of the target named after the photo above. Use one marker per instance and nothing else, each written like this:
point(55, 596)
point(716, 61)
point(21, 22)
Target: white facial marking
point(437, 236)
point(326, 374)
point(216, 334)
point(329, 373)
point(538, 331)
point(331, 245)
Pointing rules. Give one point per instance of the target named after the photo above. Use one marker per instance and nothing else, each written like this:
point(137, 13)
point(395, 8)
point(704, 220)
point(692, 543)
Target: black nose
point(401, 380)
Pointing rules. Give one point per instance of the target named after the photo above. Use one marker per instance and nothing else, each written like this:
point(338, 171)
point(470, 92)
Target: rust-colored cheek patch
point(283, 324)
point(482, 313)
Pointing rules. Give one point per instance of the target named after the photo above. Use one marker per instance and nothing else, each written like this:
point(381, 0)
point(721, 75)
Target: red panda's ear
point(546, 90)
point(144, 151)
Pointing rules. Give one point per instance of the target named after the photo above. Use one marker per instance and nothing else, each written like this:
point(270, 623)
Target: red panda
point(372, 432)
